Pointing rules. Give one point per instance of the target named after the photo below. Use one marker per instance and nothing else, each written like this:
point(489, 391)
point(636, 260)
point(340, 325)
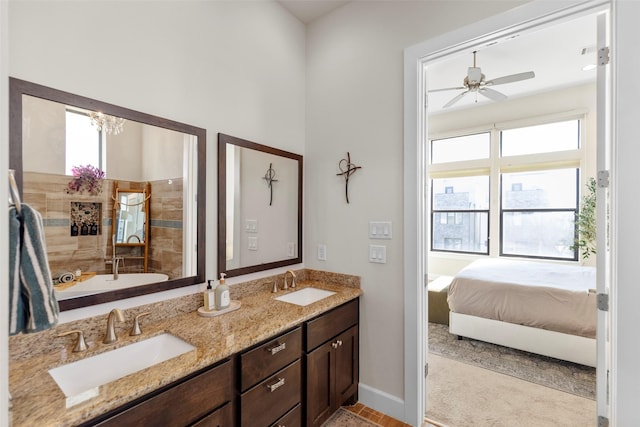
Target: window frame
point(533, 210)
point(496, 165)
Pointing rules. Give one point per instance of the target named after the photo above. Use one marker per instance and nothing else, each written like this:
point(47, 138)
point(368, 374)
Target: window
point(84, 142)
point(545, 138)
point(535, 170)
point(459, 148)
point(460, 210)
point(537, 219)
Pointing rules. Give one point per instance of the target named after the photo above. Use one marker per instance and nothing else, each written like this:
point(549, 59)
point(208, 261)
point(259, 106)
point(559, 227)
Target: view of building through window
point(537, 205)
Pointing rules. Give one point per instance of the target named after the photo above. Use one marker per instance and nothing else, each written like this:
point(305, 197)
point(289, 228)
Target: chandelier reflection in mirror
point(104, 122)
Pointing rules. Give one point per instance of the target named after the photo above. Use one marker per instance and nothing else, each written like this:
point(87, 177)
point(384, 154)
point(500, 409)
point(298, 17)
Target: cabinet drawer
point(293, 418)
point(259, 363)
point(331, 324)
point(181, 404)
point(223, 417)
point(266, 402)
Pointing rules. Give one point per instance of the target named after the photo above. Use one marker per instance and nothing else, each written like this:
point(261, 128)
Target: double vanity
point(271, 362)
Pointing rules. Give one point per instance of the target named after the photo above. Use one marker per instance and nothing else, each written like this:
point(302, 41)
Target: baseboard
point(381, 401)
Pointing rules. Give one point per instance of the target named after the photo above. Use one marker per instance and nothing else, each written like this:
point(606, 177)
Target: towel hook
point(15, 195)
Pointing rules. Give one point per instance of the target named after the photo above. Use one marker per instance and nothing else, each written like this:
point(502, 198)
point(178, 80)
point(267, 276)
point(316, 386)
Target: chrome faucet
point(293, 280)
point(115, 260)
point(110, 336)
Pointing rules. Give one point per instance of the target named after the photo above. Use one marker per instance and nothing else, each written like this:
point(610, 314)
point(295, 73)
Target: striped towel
point(32, 303)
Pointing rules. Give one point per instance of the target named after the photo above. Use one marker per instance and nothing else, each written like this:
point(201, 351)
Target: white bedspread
point(542, 295)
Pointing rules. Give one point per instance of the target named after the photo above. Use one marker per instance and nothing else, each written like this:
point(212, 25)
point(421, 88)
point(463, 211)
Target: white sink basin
point(81, 380)
point(305, 296)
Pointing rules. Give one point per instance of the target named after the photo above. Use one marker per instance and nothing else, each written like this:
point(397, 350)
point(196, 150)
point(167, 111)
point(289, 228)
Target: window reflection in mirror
point(79, 226)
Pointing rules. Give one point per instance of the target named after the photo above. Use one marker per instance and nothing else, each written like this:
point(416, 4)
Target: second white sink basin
point(305, 296)
point(80, 380)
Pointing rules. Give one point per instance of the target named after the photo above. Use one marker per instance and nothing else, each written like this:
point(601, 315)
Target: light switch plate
point(378, 254)
point(380, 230)
point(291, 249)
point(322, 252)
point(252, 243)
point(251, 226)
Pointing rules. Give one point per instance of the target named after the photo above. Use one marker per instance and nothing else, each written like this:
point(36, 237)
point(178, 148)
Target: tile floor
point(379, 417)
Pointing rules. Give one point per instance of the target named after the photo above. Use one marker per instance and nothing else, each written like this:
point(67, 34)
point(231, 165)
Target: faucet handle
point(81, 344)
point(135, 329)
point(275, 286)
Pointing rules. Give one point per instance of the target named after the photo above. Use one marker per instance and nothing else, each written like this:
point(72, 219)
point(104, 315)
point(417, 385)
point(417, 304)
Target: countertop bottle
point(222, 294)
point(209, 297)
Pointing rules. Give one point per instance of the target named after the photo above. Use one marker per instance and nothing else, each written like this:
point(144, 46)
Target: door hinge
point(603, 302)
point(603, 421)
point(426, 370)
point(603, 179)
point(603, 55)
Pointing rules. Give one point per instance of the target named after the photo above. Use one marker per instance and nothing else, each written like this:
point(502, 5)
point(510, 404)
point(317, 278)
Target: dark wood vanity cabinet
point(271, 382)
point(332, 353)
point(203, 399)
point(298, 378)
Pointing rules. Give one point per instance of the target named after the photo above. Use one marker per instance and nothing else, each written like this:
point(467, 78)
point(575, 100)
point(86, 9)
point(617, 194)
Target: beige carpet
point(344, 418)
point(461, 395)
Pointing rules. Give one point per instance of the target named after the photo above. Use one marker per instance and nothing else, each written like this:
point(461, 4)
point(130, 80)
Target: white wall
point(354, 104)
point(232, 67)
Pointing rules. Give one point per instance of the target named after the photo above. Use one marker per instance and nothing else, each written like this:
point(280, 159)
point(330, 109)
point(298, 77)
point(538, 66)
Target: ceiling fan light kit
point(475, 82)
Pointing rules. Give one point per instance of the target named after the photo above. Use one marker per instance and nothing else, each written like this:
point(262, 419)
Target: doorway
point(529, 18)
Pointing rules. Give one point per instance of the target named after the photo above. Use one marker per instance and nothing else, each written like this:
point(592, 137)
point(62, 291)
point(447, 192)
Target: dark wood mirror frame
point(223, 140)
point(18, 88)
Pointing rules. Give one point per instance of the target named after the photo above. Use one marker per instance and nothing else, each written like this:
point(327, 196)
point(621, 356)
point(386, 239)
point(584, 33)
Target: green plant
point(586, 222)
point(86, 178)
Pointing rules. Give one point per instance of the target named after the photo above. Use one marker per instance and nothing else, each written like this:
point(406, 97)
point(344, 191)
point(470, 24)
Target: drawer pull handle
point(278, 348)
point(273, 387)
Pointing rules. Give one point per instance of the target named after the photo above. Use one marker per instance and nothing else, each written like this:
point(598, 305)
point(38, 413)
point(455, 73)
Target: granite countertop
point(37, 399)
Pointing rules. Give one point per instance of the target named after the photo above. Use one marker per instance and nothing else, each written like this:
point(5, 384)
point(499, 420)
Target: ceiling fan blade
point(492, 94)
point(511, 78)
point(446, 88)
point(455, 99)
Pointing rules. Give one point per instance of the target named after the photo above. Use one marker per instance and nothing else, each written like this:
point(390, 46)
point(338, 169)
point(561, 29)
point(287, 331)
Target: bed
point(543, 308)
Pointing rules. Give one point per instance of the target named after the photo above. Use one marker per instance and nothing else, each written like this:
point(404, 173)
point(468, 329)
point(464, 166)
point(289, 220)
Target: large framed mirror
point(259, 207)
point(124, 153)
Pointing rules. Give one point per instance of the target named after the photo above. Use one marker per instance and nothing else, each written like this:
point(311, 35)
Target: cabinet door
point(320, 384)
point(346, 368)
point(222, 417)
point(182, 404)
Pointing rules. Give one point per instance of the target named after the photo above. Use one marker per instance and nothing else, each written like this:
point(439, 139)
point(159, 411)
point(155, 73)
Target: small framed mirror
point(259, 207)
point(130, 232)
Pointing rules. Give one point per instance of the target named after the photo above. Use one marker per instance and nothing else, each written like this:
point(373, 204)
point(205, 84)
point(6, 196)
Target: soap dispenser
point(222, 294)
point(209, 297)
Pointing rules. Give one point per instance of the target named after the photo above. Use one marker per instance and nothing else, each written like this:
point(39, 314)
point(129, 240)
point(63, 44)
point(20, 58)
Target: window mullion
point(494, 194)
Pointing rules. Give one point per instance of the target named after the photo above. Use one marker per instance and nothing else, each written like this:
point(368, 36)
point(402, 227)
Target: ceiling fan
point(475, 82)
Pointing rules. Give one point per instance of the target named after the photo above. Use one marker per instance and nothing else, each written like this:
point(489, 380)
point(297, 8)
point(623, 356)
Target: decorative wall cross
point(270, 177)
point(347, 169)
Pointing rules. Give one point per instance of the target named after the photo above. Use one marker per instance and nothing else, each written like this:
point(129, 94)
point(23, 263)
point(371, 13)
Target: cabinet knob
point(334, 344)
point(339, 343)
